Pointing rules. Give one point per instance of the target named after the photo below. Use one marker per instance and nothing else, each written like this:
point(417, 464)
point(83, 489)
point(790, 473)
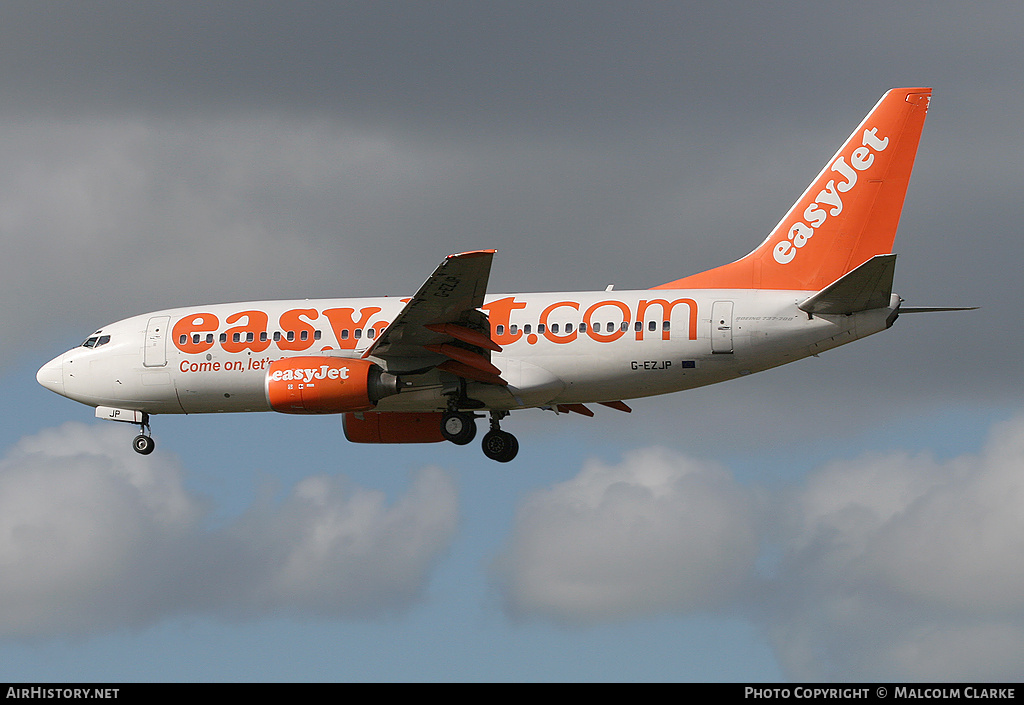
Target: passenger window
point(344, 334)
point(527, 328)
point(610, 327)
point(371, 333)
point(513, 329)
point(665, 325)
point(638, 326)
point(358, 333)
point(304, 335)
point(195, 337)
point(249, 337)
point(182, 339)
point(209, 338)
point(236, 338)
point(500, 330)
point(263, 336)
point(290, 336)
point(583, 327)
point(317, 335)
point(624, 326)
point(540, 329)
point(223, 337)
point(652, 326)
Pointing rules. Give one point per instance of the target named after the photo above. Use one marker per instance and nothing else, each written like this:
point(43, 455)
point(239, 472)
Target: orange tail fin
point(846, 216)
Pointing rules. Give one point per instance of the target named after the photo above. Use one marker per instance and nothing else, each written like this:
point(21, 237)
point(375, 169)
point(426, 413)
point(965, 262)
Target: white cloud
point(903, 566)
point(658, 532)
point(888, 566)
point(94, 538)
point(334, 550)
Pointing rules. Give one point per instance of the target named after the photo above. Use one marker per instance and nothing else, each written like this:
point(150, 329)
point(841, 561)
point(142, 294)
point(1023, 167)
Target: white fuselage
point(558, 348)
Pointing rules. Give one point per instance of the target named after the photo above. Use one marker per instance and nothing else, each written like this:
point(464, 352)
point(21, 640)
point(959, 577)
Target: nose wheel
point(143, 444)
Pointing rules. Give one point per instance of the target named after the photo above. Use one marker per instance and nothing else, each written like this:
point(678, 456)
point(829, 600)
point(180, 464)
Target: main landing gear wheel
point(143, 444)
point(458, 427)
point(500, 445)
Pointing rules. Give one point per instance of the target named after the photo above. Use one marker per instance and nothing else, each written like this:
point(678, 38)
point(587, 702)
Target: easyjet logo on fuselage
point(829, 201)
point(561, 322)
point(309, 374)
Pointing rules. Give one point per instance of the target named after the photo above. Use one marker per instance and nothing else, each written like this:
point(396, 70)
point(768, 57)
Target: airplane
point(425, 368)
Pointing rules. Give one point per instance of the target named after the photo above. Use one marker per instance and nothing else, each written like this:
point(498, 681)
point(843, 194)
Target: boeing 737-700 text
point(424, 368)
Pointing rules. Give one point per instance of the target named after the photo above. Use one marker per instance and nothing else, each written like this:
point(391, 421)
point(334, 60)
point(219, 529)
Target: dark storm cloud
point(468, 64)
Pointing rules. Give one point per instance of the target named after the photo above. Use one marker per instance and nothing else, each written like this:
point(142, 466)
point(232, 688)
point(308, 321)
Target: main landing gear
point(143, 444)
point(459, 427)
point(499, 445)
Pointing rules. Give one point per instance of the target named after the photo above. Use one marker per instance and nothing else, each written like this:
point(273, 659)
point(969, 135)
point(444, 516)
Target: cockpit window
point(94, 341)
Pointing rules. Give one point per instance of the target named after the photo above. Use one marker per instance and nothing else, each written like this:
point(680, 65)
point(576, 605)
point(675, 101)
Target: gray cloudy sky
point(843, 517)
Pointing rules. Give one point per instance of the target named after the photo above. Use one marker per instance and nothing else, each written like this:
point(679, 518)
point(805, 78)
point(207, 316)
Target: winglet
point(471, 253)
point(846, 216)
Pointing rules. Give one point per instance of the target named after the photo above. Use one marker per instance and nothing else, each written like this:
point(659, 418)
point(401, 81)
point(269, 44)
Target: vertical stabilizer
point(846, 216)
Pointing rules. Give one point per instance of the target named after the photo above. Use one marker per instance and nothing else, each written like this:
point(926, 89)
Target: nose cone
point(51, 375)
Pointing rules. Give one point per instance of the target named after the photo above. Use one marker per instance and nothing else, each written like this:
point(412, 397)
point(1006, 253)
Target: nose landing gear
point(143, 444)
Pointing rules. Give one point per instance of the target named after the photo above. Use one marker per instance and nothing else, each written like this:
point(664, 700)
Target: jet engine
point(326, 385)
point(393, 427)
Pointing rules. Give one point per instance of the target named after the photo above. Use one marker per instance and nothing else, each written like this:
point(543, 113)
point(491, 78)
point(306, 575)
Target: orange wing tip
point(471, 253)
point(464, 334)
point(618, 405)
point(575, 408)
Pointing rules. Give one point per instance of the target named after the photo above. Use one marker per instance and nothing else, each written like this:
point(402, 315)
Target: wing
point(442, 326)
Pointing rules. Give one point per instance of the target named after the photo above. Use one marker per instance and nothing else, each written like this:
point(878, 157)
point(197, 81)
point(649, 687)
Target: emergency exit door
point(721, 327)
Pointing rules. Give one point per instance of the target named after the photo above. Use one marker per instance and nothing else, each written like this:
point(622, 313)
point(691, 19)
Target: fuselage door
point(155, 351)
point(721, 327)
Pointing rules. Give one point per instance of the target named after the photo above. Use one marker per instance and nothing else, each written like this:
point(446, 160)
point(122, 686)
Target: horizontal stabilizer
point(934, 309)
point(862, 289)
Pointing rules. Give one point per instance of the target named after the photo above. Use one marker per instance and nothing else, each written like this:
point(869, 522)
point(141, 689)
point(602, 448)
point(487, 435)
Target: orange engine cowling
point(393, 427)
point(326, 385)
